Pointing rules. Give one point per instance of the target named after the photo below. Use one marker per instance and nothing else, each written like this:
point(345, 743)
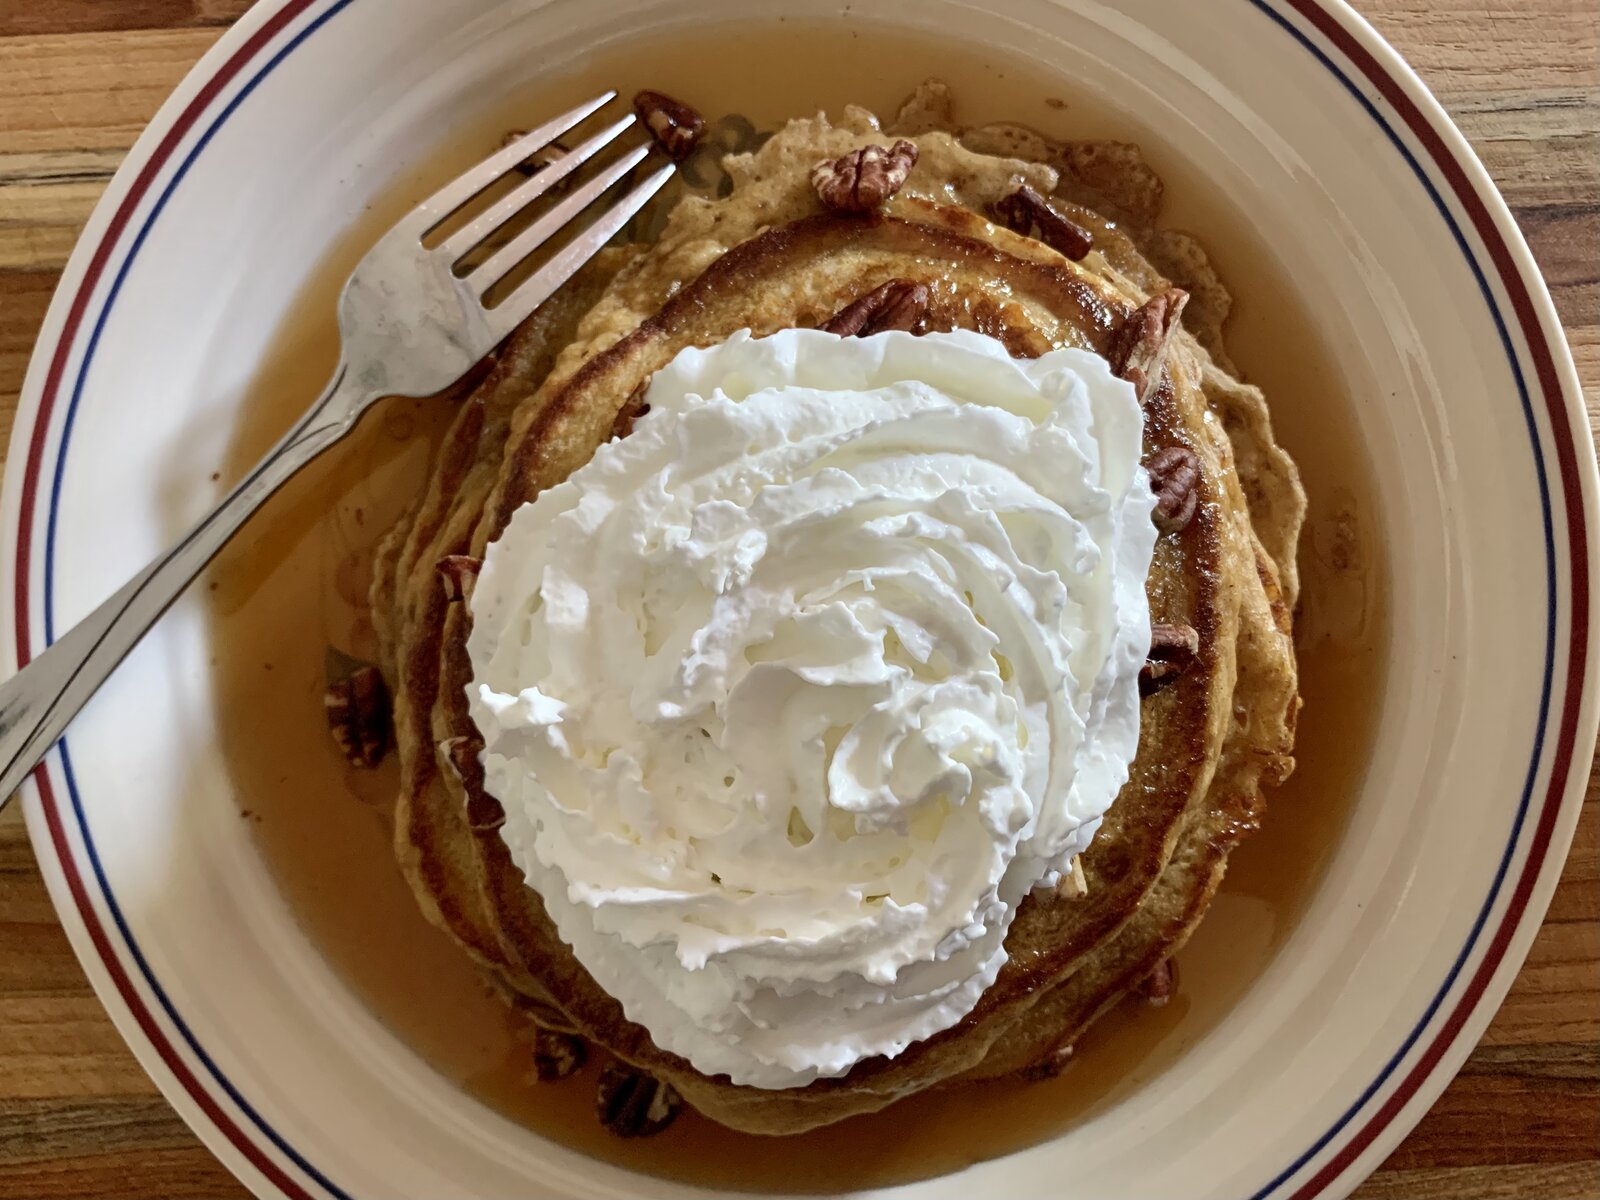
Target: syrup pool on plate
point(297, 586)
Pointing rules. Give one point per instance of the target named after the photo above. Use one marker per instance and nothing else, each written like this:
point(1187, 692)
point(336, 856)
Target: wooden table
point(79, 79)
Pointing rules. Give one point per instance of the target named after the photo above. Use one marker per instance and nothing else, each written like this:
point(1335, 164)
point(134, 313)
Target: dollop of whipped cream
point(792, 695)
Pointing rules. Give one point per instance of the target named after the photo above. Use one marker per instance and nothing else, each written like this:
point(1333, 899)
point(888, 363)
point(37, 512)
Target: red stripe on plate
point(1566, 455)
point(109, 956)
point(1578, 648)
point(257, 1156)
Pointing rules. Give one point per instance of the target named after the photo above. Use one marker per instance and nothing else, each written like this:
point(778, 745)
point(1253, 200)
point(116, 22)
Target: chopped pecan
point(1175, 479)
point(463, 755)
point(1073, 885)
point(632, 1103)
point(860, 181)
point(556, 1054)
point(632, 409)
point(898, 304)
point(1173, 649)
point(457, 574)
point(1158, 986)
point(357, 708)
point(675, 126)
point(1138, 350)
point(1025, 211)
point(1051, 1064)
point(540, 159)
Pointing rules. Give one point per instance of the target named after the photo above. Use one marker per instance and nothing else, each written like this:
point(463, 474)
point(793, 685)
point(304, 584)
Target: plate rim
point(275, 26)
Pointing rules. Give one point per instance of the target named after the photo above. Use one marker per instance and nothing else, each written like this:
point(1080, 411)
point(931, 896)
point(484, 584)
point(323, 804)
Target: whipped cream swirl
point(795, 693)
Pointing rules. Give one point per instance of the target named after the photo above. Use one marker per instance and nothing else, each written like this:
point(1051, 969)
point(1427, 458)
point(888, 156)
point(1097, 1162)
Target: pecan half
point(556, 1054)
point(1025, 211)
point(462, 754)
point(540, 159)
point(632, 409)
point(898, 304)
point(675, 126)
point(457, 574)
point(1159, 986)
point(357, 708)
point(863, 179)
point(1138, 350)
point(1175, 479)
point(632, 1103)
point(1173, 649)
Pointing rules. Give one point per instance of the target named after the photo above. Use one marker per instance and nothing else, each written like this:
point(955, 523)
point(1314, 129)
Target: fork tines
point(507, 310)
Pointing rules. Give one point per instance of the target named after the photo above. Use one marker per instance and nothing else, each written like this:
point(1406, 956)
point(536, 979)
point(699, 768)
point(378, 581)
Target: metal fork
point(410, 327)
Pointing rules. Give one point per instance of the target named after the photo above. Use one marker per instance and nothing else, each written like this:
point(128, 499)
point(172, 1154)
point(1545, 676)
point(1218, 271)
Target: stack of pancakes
point(769, 257)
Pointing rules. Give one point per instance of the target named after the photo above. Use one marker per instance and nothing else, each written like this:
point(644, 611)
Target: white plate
point(1469, 409)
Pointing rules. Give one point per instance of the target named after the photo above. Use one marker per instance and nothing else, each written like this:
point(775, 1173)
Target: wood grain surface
point(79, 79)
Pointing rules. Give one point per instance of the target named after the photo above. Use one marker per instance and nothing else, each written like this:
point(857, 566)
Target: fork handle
point(39, 701)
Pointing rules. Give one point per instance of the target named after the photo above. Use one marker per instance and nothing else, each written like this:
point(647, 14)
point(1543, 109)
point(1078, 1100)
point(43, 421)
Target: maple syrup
point(297, 586)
